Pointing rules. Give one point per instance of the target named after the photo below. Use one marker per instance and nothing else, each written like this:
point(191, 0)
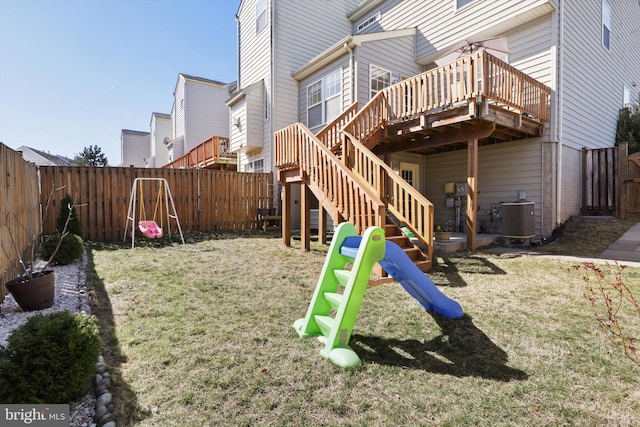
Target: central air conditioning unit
point(518, 219)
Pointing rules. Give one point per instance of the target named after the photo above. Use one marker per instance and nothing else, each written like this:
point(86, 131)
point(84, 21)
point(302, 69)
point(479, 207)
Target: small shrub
point(70, 248)
point(74, 222)
point(49, 359)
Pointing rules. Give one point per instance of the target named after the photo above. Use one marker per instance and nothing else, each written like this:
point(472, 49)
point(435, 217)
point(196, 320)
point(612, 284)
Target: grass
point(201, 334)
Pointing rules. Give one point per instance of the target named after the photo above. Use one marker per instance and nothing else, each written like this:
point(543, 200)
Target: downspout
point(559, 106)
point(351, 73)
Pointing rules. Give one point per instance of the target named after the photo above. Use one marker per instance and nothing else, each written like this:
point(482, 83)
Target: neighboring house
point(135, 146)
point(41, 158)
point(199, 112)
point(159, 136)
point(309, 61)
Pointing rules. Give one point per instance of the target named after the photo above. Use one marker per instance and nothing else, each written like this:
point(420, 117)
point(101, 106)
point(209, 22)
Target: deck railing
point(479, 74)
point(212, 151)
point(331, 134)
point(354, 201)
point(405, 202)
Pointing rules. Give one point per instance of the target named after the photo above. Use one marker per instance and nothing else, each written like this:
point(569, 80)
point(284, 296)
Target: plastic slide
point(411, 278)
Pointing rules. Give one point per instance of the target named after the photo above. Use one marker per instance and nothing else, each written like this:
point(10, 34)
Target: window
point(626, 97)
point(324, 100)
point(462, 3)
point(261, 15)
point(379, 79)
point(256, 166)
point(367, 22)
point(606, 25)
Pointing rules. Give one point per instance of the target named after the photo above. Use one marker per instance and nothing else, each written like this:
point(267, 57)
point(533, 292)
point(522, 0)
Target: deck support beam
point(472, 193)
point(305, 218)
point(322, 225)
point(286, 213)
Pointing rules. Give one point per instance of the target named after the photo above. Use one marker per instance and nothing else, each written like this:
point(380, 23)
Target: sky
point(74, 73)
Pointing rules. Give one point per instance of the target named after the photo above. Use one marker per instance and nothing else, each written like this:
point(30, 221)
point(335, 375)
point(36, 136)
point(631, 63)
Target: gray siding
point(206, 113)
point(593, 77)
point(395, 55)
point(503, 171)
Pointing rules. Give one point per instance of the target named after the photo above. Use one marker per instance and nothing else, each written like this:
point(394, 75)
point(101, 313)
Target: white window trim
point(606, 22)
point(251, 166)
point(367, 22)
point(323, 98)
point(371, 66)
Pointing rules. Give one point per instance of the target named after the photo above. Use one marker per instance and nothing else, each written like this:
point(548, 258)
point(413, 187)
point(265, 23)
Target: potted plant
point(442, 233)
point(35, 288)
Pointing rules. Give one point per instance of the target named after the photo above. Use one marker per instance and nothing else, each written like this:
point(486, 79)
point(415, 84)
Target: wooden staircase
point(353, 185)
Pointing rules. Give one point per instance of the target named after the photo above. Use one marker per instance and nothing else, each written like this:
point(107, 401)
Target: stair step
point(413, 253)
point(334, 299)
point(325, 323)
point(343, 276)
point(424, 265)
point(392, 230)
point(401, 241)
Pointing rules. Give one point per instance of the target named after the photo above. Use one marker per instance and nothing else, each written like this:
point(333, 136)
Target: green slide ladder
point(335, 331)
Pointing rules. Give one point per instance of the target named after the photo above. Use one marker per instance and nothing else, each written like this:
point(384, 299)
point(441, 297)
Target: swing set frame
point(164, 196)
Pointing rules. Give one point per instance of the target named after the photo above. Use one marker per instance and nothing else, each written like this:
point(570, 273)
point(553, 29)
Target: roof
point(344, 46)
point(31, 154)
point(134, 132)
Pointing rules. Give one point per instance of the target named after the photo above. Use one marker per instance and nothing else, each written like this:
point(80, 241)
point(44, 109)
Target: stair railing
point(403, 201)
point(329, 178)
point(331, 135)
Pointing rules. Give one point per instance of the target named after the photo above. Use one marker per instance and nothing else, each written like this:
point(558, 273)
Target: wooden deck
point(473, 101)
point(211, 154)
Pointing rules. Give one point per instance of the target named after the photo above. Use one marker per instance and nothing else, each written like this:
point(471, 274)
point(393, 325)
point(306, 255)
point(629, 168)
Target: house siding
point(395, 55)
point(504, 170)
point(593, 87)
point(160, 129)
point(206, 114)
point(178, 109)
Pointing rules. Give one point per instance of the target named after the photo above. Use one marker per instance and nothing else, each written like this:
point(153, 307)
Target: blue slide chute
point(412, 279)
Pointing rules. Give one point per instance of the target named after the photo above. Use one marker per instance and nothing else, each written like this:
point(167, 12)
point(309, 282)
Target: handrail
point(404, 201)
point(479, 74)
point(330, 134)
point(211, 151)
point(354, 201)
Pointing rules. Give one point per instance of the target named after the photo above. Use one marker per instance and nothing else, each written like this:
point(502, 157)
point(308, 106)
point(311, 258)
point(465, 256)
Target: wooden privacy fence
point(611, 182)
point(205, 200)
point(19, 211)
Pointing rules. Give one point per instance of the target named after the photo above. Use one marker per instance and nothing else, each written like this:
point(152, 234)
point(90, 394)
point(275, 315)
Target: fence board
point(19, 211)
point(599, 179)
point(205, 199)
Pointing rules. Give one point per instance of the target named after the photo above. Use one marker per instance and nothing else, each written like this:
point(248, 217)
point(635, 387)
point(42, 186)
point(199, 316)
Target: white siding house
point(199, 112)
point(135, 146)
point(160, 135)
point(586, 52)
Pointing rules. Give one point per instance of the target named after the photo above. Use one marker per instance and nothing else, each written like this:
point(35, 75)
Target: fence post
point(621, 181)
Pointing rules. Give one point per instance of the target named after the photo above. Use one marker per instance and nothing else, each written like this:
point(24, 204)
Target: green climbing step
point(343, 276)
point(334, 299)
point(325, 323)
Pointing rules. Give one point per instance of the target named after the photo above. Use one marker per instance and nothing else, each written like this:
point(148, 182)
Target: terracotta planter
point(442, 236)
point(34, 294)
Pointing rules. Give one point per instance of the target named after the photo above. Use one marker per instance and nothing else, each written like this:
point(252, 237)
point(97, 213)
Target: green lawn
point(201, 335)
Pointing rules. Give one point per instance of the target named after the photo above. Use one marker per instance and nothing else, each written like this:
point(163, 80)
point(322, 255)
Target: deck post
point(472, 192)
point(286, 213)
point(305, 218)
point(322, 225)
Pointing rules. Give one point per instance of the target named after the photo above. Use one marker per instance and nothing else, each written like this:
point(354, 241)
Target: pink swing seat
point(150, 229)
